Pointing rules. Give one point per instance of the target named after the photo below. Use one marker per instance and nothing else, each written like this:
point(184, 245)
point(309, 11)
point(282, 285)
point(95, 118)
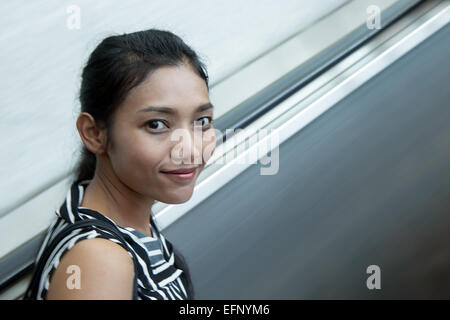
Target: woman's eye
point(153, 124)
point(209, 121)
point(157, 124)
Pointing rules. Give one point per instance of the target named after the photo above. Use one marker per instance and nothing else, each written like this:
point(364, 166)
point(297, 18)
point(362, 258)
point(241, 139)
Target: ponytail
point(86, 166)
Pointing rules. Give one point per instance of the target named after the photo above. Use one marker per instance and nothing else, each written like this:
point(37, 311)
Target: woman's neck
point(110, 197)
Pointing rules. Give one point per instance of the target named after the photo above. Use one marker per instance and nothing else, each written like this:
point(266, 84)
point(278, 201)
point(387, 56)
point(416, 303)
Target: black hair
point(118, 64)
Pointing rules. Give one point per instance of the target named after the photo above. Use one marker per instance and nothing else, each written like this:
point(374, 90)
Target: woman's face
point(145, 142)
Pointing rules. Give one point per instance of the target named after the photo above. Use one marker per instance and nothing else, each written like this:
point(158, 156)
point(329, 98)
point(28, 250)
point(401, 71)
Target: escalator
point(352, 172)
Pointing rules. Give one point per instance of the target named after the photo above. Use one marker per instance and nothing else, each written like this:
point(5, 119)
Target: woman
point(139, 92)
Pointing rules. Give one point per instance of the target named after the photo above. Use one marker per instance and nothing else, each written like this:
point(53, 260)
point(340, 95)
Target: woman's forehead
point(172, 81)
point(178, 88)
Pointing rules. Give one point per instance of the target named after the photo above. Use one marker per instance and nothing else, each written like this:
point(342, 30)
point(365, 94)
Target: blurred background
point(356, 93)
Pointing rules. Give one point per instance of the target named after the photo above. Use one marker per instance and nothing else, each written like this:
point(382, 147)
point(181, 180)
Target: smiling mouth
point(183, 175)
point(182, 171)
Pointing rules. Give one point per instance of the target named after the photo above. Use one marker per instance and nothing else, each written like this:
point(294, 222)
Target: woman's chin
point(177, 198)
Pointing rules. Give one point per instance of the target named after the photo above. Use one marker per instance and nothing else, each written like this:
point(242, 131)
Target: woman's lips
point(181, 176)
point(185, 170)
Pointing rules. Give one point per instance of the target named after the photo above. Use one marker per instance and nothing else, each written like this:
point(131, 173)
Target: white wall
point(42, 60)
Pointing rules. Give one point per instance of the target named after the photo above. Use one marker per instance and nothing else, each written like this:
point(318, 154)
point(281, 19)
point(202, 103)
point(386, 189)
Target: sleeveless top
point(157, 276)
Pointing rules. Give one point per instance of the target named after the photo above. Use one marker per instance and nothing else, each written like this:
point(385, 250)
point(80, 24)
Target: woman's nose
point(188, 146)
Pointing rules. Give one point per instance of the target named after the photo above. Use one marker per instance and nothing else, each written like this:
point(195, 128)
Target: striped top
point(157, 276)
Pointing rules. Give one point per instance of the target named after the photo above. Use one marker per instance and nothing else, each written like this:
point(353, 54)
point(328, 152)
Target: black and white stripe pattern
point(157, 278)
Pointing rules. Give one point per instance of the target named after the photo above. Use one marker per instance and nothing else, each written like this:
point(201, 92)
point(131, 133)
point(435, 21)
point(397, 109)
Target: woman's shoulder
point(93, 245)
point(63, 236)
point(100, 238)
point(90, 249)
point(97, 268)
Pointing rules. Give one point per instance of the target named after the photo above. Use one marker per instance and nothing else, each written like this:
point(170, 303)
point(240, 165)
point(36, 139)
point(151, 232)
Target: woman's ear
point(93, 138)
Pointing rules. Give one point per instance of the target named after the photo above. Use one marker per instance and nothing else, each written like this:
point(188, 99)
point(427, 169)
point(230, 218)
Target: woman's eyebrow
point(170, 110)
